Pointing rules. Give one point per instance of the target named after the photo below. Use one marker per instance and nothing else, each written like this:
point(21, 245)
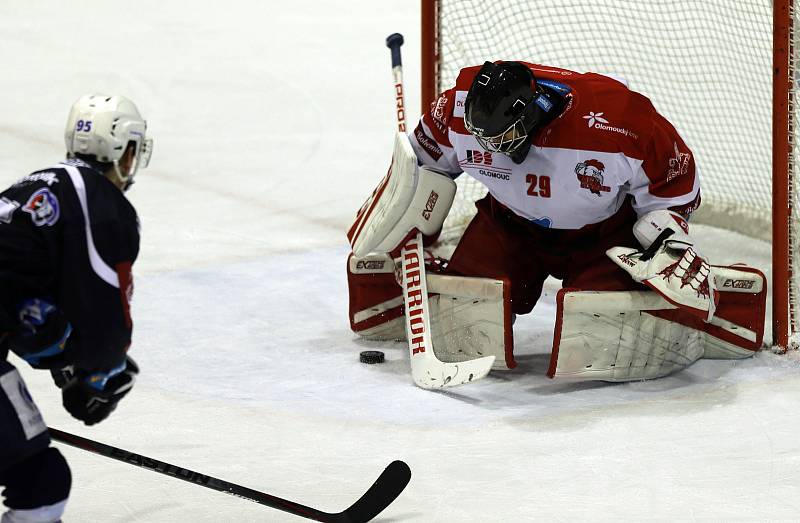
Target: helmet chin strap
point(556, 104)
point(521, 152)
point(122, 182)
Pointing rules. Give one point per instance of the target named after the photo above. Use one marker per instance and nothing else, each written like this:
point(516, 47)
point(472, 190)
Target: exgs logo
point(479, 157)
point(430, 205)
point(372, 265)
point(739, 284)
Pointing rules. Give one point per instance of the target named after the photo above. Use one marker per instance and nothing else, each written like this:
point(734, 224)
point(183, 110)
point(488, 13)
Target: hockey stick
point(380, 495)
point(393, 42)
point(428, 371)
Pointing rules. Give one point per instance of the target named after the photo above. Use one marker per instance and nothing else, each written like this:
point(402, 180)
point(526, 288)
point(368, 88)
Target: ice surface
point(272, 122)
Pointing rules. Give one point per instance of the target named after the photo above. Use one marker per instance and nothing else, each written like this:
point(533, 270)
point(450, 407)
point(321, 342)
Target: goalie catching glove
point(670, 264)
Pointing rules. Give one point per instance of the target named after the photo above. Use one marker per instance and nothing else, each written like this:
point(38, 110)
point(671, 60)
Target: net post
point(781, 173)
point(430, 52)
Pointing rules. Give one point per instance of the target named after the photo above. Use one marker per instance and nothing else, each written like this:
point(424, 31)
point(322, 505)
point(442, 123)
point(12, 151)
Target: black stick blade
point(380, 495)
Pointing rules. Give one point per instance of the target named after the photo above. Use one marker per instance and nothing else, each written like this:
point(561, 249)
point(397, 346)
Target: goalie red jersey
point(608, 142)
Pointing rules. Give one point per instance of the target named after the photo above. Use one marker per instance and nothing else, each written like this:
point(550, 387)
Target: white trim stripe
point(101, 268)
point(377, 309)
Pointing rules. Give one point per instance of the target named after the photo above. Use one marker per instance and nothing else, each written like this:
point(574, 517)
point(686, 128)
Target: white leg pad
point(635, 335)
point(600, 338)
point(470, 318)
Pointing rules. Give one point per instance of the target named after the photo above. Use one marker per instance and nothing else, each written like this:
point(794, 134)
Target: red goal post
point(707, 65)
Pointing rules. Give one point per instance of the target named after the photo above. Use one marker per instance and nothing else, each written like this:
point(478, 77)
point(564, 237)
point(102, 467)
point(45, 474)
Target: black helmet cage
point(501, 106)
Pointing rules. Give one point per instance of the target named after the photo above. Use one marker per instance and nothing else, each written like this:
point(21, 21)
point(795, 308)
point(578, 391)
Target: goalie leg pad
point(623, 336)
point(376, 299)
point(470, 317)
point(607, 336)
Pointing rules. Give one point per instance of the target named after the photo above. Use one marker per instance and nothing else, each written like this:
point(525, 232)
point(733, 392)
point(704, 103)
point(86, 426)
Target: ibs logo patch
point(479, 157)
point(43, 207)
point(590, 174)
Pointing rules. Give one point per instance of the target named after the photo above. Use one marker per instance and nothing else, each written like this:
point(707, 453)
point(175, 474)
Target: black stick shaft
point(388, 486)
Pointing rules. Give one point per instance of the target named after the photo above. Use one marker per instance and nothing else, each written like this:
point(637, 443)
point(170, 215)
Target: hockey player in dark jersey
point(68, 239)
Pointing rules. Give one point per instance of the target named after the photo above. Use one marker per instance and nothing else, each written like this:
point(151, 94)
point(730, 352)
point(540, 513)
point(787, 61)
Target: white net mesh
point(706, 65)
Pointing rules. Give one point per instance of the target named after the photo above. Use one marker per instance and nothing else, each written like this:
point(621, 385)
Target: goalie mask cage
point(721, 71)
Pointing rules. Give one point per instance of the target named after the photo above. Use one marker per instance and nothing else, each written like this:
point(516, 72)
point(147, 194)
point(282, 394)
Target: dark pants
point(33, 474)
point(500, 244)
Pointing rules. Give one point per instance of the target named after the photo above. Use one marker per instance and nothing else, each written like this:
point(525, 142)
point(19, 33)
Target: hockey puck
point(371, 356)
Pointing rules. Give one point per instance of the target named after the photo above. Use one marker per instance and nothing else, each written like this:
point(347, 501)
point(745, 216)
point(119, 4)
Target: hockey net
point(707, 65)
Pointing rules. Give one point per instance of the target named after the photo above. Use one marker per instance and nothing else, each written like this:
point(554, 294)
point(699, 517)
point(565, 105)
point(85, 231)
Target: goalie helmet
point(103, 127)
point(504, 106)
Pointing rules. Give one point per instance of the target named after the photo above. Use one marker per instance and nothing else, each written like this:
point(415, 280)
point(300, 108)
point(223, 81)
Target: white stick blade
point(437, 374)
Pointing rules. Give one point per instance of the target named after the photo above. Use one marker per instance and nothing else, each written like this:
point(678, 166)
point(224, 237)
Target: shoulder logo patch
point(43, 207)
point(679, 164)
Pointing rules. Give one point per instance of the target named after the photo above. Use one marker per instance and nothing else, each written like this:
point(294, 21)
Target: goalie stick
point(428, 371)
point(380, 495)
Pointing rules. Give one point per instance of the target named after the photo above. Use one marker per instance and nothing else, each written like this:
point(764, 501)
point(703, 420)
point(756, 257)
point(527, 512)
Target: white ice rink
point(272, 122)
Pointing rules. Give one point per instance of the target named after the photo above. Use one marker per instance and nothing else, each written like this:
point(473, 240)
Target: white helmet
point(102, 126)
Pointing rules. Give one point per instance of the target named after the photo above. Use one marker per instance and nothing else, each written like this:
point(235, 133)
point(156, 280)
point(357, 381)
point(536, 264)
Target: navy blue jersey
point(68, 235)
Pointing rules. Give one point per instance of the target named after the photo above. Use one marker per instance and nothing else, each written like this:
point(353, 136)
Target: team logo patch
point(590, 174)
point(43, 207)
point(438, 114)
point(679, 164)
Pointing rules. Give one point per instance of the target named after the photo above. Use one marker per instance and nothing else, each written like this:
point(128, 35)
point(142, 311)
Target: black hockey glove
point(92, 397)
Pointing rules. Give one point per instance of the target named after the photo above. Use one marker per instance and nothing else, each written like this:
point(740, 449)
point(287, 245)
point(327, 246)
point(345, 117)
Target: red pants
point(500, 244)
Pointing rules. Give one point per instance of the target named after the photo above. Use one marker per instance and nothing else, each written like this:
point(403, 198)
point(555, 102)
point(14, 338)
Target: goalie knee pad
point(37, 488)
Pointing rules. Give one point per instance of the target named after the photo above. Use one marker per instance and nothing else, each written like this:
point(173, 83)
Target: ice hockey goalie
point(587, 183)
